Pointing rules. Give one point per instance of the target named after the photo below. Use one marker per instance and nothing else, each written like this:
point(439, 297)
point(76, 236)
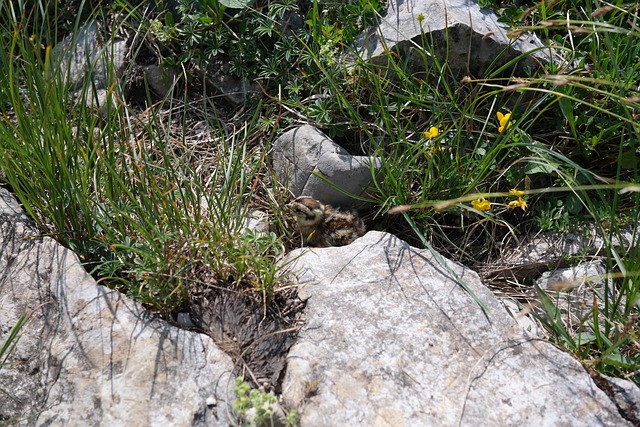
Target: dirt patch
point(255, 335)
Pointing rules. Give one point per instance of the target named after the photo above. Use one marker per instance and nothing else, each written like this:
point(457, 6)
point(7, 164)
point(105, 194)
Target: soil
point(257, 336)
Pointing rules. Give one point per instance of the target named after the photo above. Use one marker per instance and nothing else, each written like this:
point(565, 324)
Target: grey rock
point(90, 356)
point(303, 155)
point(234, 90)
point(521, 316)
point(573, 289)
point(532, 256)
point(160, 79)
point(459, 32)
point(86, 61)
point(277, 416)
point(545, 248)
point(627, 396)
point(257, 221)
point(393, 339)
point(184, 321)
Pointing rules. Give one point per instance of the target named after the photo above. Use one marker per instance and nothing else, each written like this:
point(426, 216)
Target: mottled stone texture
point(90, 356)
point(393, 339)
point(467, 39)
point(88, 63)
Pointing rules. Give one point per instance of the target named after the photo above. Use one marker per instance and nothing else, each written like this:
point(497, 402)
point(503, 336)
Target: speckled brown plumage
point(322, 225)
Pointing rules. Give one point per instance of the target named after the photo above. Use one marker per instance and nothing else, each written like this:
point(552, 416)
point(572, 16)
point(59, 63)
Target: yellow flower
point(431, 133)
point(520, 203)
point(515, 192)
point(504, 121)
point(481, 204)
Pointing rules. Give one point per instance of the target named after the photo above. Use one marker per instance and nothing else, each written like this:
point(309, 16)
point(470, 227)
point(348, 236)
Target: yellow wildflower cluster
point(431, 133)
point(504, 121)
point(520, 203)
point(481, 204)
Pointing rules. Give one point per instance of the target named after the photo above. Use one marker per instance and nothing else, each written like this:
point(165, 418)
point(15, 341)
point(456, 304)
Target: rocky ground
point(374, 333)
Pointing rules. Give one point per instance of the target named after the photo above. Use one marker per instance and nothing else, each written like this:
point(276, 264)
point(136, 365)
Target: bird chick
point(322, 225)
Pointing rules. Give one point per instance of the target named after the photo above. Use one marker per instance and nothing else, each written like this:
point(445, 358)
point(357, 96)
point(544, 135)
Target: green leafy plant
point(255, 408)
point(553, 216)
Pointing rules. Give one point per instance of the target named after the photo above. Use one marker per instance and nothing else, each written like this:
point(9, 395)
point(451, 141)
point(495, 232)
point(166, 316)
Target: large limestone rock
point(91, 356)
point(461, 34)
point(393, 339)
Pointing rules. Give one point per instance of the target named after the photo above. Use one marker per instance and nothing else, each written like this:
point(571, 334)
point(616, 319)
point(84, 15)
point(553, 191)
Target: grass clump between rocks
point(154, 199)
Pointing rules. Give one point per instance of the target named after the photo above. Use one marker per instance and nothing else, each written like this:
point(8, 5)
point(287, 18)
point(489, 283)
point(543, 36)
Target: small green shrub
point(255, 408)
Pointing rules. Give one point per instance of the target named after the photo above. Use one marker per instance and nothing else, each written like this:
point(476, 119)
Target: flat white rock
point(393, 339)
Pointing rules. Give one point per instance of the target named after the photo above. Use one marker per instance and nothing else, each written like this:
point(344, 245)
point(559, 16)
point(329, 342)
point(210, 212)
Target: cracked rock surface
point(393, 339)
point(91, 356)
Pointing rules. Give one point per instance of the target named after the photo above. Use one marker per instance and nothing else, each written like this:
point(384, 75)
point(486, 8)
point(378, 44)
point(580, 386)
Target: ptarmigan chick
point(322, 225)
